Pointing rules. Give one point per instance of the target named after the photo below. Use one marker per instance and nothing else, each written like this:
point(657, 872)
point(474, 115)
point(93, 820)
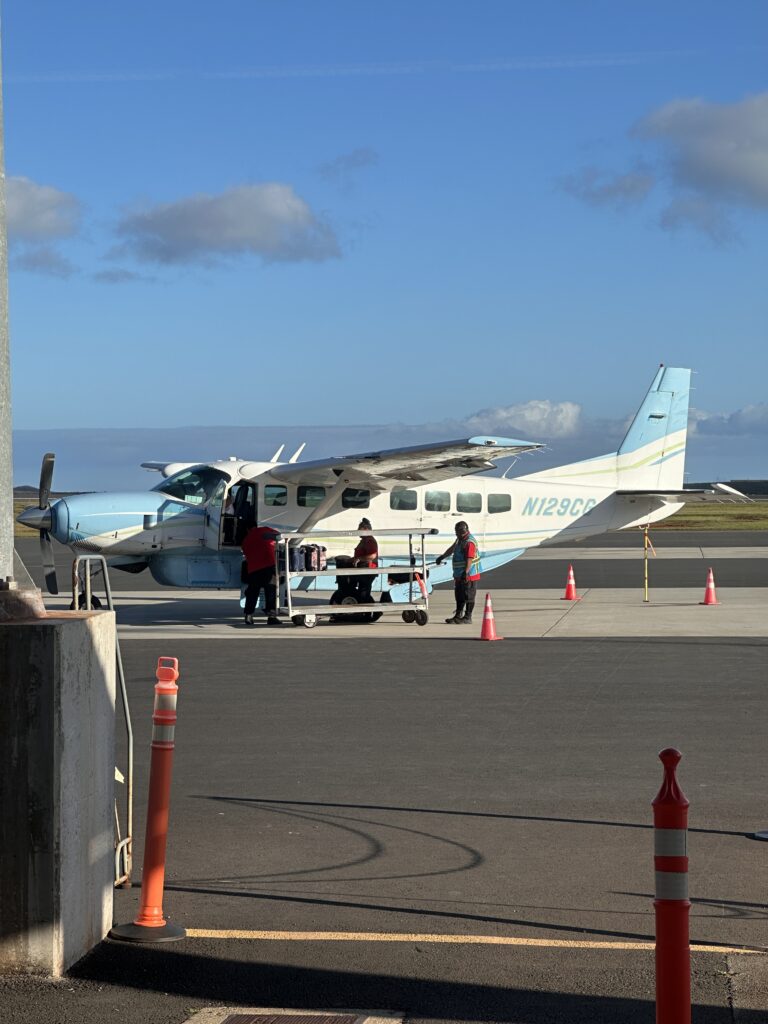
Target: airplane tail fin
point(652, 455)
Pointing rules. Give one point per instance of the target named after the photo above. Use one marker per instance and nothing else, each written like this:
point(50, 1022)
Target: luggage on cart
point(297, 559)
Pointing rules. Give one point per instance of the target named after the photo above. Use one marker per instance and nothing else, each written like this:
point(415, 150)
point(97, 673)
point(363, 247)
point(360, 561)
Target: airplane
point(187, 529)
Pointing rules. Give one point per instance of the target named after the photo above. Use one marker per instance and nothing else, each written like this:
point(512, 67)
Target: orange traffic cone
point(570, 587)
point(710, 597)
point(488, 631)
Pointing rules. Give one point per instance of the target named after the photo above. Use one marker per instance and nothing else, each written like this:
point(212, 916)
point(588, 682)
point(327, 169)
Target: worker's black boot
point(467, 619)
point(457, 616)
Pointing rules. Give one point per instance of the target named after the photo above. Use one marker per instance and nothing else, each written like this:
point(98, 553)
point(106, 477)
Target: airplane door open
point(213, 517)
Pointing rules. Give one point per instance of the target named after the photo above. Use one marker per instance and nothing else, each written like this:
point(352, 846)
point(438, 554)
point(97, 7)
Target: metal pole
point(6, 462)
point(645, 560)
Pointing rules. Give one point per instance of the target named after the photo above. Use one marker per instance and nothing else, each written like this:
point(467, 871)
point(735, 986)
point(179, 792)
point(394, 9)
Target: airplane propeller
point(44, 504)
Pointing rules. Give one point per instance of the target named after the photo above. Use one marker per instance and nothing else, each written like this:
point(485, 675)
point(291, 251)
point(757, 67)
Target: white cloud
point(39, 213)
point(43, 259)
point(269, 220)
point(538, 417)
point(713, 158)
point(749, 421)
point(120, 277)
point(597, 188)
point(718, 149)
point(344, 165)
point(701, 214)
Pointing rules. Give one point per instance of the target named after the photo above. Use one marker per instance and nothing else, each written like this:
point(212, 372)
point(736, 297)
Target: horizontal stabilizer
point(721, 494)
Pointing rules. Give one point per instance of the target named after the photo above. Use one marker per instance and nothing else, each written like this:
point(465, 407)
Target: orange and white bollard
point(570, 587)
point(672, 906)
point(150, 925)
point(710, 595)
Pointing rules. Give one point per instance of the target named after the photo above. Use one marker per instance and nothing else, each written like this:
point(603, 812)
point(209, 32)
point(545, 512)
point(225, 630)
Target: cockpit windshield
point(195, 485)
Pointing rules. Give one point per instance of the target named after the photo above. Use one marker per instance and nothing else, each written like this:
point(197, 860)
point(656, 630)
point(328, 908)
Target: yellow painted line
point(471, 940)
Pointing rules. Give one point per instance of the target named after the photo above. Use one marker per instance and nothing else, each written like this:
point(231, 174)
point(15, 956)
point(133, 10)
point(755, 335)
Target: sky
point(400, 216)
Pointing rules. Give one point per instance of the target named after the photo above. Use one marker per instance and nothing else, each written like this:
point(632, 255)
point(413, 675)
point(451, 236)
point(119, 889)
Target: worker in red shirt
point(366, 556)
point(465, 557)
point(259, 546)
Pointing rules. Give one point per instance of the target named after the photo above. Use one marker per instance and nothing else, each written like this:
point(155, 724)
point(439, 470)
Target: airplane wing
point(720, 494)
point(167, 468)
point(423, 463)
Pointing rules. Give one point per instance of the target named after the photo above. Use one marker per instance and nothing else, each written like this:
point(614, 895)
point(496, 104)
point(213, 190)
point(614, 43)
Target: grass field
point(694, 517)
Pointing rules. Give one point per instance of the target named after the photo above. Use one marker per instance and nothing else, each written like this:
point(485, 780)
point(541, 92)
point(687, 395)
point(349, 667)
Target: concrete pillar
point(57, 764)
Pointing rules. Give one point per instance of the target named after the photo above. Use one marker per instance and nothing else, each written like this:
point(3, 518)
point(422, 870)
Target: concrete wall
point(57, 729)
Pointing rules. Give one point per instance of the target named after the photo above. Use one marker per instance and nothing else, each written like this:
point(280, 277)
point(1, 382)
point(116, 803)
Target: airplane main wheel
point(409, 615)
point(95, 603)
point(421, 617)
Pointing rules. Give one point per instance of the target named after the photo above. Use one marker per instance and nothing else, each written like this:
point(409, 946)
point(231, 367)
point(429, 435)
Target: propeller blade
point(46, 476)
point(49, 566)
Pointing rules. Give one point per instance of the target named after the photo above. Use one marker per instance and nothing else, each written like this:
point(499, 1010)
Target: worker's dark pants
point(364, 587)
point(258, 581)
point(465, 591)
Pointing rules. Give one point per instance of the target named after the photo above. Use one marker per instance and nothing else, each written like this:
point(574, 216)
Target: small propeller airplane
point(187, 529)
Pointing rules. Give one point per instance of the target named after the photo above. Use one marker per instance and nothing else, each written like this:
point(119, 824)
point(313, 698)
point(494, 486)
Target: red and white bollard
point(150, 925)
point(672, 906)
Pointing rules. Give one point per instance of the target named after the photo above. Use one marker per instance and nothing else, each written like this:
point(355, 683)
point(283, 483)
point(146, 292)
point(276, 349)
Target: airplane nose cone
point(36, 518)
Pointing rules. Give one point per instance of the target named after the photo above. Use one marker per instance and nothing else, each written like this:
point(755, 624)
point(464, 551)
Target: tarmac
point(449, 830)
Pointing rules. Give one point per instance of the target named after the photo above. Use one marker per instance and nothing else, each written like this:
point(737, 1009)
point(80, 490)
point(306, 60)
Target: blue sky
point(341, 213)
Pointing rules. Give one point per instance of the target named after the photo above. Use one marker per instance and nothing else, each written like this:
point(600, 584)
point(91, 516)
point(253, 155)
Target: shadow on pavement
point(222, 981)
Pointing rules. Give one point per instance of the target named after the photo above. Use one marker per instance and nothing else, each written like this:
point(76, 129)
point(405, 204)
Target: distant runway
point(739, 559)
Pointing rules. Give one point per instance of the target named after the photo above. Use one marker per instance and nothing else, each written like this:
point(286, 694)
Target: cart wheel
point(348, 600)
point(421, 617)
point(297, 620)
point(310, 621)
point(409, 615)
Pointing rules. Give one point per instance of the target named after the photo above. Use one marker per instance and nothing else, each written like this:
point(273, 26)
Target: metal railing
point(123, 844)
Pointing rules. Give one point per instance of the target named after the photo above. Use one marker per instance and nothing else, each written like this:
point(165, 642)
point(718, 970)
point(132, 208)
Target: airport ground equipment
point(150, 924)
point(488, 632)
point(672, 906)
point(82, 597)
point(413, 573)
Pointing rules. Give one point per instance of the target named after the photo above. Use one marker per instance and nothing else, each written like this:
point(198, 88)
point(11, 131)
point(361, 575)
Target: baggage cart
point(344, 602)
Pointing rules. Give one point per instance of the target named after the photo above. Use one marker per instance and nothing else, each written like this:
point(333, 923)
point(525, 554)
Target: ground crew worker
point(258, 546)
point(366, 556)
point(466, 572)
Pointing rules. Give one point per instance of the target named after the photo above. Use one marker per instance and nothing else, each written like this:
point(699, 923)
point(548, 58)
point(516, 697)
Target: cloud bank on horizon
point(720, 446)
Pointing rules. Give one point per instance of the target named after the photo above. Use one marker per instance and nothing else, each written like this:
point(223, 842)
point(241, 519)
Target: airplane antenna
point(297, 453)
point(277, 454)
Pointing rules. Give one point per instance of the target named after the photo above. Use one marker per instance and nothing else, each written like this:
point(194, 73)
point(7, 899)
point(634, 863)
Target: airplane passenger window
point(402, 500)
point(437, 501)
point(275, 495)
point(499, 503)
point(354, 497)
point(309, 497)
point(194, 485)
point(469, 501)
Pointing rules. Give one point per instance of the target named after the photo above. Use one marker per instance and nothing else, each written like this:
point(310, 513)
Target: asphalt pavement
point(451, 830)
point(390, 798)
point(739, 558)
